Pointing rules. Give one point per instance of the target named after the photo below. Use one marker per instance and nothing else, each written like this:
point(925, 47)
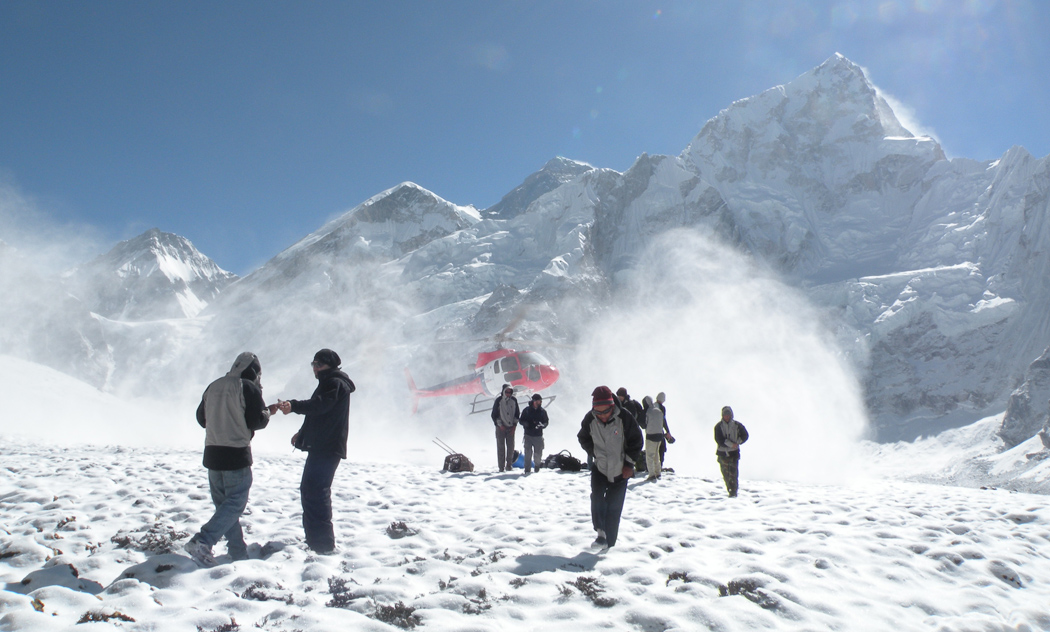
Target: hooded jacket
point(727, 432)
point(655, 424)
point(327, 422)
point(497, 417)
point(613, 444)
point(231, 410)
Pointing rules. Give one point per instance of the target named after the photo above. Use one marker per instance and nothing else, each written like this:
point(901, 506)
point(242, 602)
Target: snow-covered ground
point(98, 495)
point(489, 551)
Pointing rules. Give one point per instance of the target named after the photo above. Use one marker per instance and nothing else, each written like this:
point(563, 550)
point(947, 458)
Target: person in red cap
point(612, 438)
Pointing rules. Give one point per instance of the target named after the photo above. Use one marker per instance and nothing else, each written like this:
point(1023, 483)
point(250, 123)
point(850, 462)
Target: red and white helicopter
point(527, 372)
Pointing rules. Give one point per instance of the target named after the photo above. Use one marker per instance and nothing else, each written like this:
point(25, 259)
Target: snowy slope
point(45, 405)
point(94, 534)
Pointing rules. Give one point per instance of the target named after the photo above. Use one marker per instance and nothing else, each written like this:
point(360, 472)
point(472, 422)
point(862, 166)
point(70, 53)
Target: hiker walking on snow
point(632, 405)
point(231, 410)
point(667, 438)
point(323, 437)
point(635, 408)
point(533, 421)
point(505, 414)
point(656, 432)
point(611, 437)
point(729, 434)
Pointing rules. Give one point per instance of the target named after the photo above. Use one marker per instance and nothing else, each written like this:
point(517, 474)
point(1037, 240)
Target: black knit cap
point(329, 357)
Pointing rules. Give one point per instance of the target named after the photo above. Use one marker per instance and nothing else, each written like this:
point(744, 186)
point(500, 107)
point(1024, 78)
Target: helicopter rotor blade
point(543, 343)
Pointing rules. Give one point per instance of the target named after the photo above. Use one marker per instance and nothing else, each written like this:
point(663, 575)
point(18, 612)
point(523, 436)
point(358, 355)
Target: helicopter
point(527, 372)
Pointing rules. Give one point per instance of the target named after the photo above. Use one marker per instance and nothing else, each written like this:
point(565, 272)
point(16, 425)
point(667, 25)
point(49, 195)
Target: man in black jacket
point(612, 438)
point(323, 436)
point(533, 421)
point(635, 408)
point(231, 410)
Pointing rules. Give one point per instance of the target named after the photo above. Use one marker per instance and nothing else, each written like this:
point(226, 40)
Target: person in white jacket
point(656, 432)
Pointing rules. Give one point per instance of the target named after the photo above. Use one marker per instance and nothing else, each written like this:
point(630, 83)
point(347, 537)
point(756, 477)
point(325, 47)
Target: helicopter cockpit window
point(531, 358)
point(510, 363)
point(534, 374)
point(512, 376)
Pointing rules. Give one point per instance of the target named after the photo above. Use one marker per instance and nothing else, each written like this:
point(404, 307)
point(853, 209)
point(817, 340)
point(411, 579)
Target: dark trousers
point(607, 504)
point(730, 466)
point(316, 493)
point(505, 447)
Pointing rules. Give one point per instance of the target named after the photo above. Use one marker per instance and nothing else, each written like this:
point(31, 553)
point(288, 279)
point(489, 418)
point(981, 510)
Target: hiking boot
point(331, 551)
point(200, 553)
point(600, 542)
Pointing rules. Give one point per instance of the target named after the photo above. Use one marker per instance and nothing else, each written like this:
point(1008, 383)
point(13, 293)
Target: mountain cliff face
point(931, 273)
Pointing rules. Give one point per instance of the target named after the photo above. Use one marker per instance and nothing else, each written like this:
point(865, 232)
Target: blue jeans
point(316, 492)
point(607, 504)
point(229, 492)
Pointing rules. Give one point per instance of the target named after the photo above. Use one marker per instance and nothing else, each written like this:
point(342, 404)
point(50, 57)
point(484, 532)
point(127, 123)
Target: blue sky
point(245, 125)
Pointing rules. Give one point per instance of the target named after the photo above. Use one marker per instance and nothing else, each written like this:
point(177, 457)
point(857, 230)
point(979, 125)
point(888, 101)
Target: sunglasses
point(315, 364)
point(602, 412)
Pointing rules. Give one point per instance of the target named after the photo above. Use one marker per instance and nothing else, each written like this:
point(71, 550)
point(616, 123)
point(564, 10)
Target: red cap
point(601, 396)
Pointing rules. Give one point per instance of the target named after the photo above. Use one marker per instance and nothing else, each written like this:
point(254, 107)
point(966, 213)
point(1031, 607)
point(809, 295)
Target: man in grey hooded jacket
point(230, 411)
point(729, 434)
point(505, 415)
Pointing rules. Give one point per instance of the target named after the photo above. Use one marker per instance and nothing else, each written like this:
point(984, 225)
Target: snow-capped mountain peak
point(152, 276)
point(552, 175)
point(387, 225)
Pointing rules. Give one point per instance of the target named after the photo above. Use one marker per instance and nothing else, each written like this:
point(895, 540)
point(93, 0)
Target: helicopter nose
point(548, 375)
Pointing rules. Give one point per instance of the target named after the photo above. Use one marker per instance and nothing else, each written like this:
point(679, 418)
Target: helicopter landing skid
point(483, 403)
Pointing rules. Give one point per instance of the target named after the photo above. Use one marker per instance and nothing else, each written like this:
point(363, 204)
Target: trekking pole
point(441, 444)
point(447, 447)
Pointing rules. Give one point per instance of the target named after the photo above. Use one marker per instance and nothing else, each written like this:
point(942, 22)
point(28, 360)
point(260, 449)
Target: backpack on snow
point(563, 460)
point(458, 463)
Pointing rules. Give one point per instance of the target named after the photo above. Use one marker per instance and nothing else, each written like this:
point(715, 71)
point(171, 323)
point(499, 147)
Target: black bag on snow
point(458, 463)
point(563, 460)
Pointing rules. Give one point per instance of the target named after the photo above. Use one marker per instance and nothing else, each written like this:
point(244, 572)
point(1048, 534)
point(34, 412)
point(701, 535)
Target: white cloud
point(53, 246)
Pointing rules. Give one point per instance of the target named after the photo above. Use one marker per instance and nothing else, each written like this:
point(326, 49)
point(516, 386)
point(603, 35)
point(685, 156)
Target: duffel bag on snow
point(563, 460)
point(458, 463)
